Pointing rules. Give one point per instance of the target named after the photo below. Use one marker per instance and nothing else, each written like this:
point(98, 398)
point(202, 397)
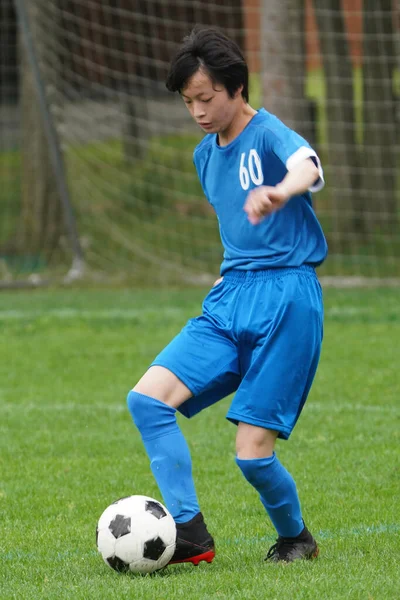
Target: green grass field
point(68, 449)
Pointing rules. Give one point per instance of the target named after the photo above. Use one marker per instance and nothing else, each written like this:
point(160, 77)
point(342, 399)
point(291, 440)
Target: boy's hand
point(263, 201)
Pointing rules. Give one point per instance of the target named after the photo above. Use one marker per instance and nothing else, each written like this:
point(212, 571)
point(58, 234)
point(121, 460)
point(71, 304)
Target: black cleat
point(289, 549)
point(193, 542)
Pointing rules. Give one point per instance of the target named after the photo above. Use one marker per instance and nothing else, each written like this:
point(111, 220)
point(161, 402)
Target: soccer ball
point(137, 534)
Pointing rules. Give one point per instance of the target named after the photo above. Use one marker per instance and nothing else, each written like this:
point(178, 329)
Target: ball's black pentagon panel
point(153, 549)
point(118, 564)
point(120, 526)
point(155, 509)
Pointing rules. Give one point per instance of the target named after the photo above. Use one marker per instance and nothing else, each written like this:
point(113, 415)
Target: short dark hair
point(221, 58)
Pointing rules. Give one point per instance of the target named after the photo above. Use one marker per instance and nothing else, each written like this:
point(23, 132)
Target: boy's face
point(210, 104)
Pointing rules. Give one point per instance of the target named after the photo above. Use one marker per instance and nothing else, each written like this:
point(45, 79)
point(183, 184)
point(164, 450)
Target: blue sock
point(168, 452)
point(277, 491)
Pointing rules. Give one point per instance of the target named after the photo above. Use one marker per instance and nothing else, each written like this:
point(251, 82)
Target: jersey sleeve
point(198, 161)
point(292, 149)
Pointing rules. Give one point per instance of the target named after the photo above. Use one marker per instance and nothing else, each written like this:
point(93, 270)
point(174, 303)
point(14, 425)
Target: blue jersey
point(261, 154)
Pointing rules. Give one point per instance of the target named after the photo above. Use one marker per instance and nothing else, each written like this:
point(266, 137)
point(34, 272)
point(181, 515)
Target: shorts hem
point(284, 432)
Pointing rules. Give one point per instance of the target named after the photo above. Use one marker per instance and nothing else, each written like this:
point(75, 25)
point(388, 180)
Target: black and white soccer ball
point(137, 534)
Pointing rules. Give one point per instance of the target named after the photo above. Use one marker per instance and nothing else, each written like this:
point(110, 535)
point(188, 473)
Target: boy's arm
point(264, 200)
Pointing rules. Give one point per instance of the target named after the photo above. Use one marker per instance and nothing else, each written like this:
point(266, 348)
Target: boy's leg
point(162, 438)
point(280, 368)
point(278, 493)
point(259, 464)
point(171, 465)
point(198, 368)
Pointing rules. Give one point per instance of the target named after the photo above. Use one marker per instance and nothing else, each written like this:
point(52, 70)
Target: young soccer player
point(260, 331)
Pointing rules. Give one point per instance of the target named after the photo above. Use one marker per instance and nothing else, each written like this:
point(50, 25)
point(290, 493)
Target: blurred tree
point(342, 161)
point(41, 223)
point(380, 140)
point(363, 171)
point(283, 63)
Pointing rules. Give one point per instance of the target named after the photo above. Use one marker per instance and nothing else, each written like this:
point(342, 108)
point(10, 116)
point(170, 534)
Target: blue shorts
point(260, 336)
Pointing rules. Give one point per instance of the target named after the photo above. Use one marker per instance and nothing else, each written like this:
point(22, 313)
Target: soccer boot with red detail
point(193, 542)
point(289, 549)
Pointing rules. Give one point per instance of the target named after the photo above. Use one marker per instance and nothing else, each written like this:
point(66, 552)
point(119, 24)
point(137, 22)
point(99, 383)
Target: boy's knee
point(138, 406)
point(149, 414)
point(247, 468)
point(254, 442)
point(256, 469)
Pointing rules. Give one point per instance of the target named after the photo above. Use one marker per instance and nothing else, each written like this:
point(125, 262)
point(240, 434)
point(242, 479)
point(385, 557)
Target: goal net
point(96, 155)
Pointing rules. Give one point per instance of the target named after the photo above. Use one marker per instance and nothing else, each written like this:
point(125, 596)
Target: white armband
point(302, 154)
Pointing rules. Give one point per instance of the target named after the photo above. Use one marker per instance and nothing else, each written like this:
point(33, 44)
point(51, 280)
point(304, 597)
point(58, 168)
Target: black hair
point(208, 48)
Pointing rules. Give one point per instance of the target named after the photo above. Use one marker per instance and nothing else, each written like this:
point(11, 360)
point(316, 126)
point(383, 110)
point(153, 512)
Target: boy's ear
point(239, 91)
